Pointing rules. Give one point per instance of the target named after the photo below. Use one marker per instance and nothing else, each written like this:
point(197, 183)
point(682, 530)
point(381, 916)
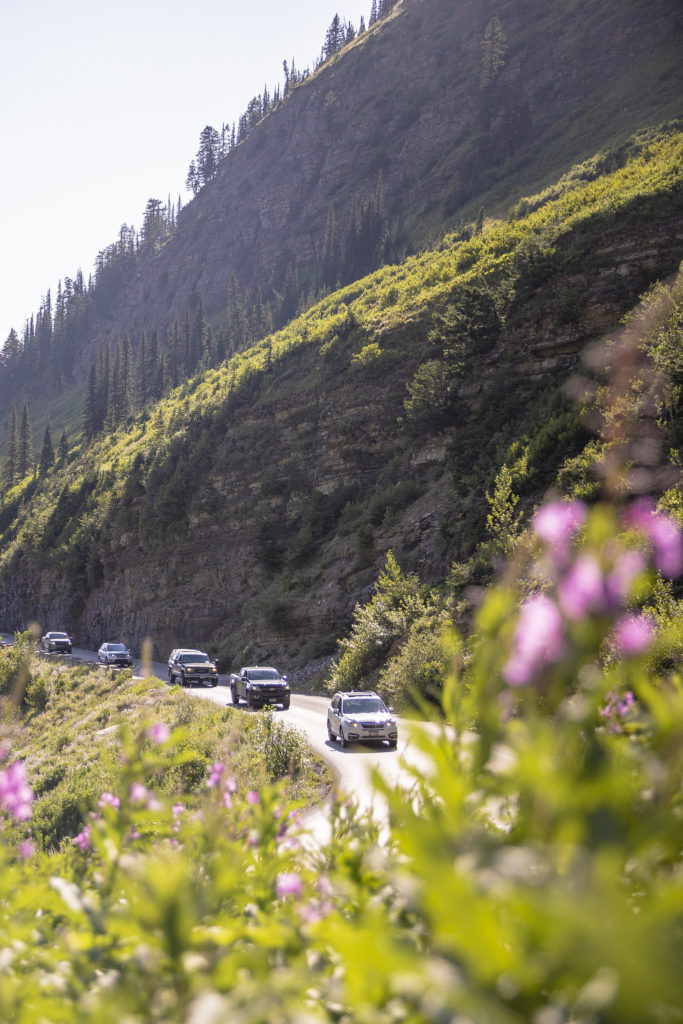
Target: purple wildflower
point(159, 732)
point(27, 849)
point(253, 797)
point(109, 800)
point(288, 884)
point(139, 794)
point(664, 534)
point(556, 523)
point(633, 634)
point(82, 840)
point(215, 775)
point(538, 639)
point(619, 583)
point(15, 793)
point(582, 590)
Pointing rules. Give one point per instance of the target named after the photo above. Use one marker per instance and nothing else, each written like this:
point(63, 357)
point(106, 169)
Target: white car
point(361, 715)
point(115, 654)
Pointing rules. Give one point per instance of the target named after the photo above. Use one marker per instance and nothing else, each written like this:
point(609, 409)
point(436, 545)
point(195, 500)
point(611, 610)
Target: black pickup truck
point(258, 686)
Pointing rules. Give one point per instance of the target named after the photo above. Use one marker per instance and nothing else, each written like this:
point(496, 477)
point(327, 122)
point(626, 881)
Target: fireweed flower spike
point(15, 793)
point(633, 634)
point(215, 775)
point(583, 588)
point(538, 640)
point(109, 800)
point(159, 733)
point(288, 884)
point(557, 522)
point(663, 533)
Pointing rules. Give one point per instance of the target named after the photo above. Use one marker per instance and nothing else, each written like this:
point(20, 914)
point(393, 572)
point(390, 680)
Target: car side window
point(335, 704)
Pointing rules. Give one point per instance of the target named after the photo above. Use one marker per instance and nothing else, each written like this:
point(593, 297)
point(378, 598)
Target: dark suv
point(188, 667)
point(56, 643)
point(259, 686)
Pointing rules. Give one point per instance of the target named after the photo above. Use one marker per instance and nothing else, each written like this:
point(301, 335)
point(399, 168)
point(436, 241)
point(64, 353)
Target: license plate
point(373, 734)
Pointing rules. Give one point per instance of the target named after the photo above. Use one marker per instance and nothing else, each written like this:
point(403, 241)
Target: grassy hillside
point(403, 136)
point(254, 506)
point(77, 724)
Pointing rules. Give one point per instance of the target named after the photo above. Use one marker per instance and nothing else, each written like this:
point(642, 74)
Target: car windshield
point(194, 657)
point(264, 673)
point(57, 636)
point(116, 647)
point(362, 706)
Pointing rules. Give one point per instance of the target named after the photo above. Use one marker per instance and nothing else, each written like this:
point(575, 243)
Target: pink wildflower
point(227, 799)
point(556, 522)
point(82, 840)
point(177, 809)
point(633, 634)
point(619, 583)
point(109, 800)
point(215, 775)
point(159, 732)
point(537, 641)
point(664, 535)
point(27, 849)
point(253, 797)
point(138, 793)
point(15, 793)
point(582, 590)
point(288, 884)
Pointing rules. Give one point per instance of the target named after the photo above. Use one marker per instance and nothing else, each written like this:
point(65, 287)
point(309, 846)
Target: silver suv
point(188, 667)
point(361, 715)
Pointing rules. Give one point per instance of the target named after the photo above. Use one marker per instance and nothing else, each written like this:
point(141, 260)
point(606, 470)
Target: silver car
point(115, 654)
point(361, 715)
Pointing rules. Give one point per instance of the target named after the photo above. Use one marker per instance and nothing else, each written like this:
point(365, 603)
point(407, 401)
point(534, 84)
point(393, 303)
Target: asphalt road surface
point(352, 767)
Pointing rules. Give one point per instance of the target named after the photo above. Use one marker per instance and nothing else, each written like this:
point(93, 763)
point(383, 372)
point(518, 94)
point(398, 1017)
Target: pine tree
point(373, 12)
point(331, 250)
point(12, 452)
point(207, 154)
point(493, 47)
point(47, 454)
point(25, 457)
point(192, 182)
point(236, 319)
point(90, 412)
point(63, 451)
point(141, 375)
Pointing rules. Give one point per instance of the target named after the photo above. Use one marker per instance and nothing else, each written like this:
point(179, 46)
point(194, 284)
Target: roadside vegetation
point(532, 874)
point(71, 727)
point(426, 329)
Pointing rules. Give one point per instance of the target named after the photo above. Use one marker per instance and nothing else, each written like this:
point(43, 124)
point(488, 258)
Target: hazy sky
point(102, 103)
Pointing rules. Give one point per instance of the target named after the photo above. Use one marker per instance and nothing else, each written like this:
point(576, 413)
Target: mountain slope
point(452, 118)
point(254, 507)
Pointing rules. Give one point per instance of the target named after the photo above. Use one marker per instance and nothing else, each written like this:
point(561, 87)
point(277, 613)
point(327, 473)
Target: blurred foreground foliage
point(530, 872)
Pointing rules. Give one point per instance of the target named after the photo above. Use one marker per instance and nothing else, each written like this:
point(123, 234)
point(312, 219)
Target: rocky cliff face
point(407, 99)
point(270, 559)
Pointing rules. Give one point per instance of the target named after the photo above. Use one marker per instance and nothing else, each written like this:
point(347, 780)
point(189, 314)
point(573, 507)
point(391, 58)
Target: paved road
point(352, 767)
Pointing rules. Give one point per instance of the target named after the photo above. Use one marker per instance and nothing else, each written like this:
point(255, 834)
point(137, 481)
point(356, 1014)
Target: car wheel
point(233, 694)
point(285, 707)
point(342, 740)
point(393, 744)
point(214, 682)
point(330, 734)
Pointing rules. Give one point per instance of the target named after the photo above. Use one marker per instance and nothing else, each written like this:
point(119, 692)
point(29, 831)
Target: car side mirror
point(285, 678)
